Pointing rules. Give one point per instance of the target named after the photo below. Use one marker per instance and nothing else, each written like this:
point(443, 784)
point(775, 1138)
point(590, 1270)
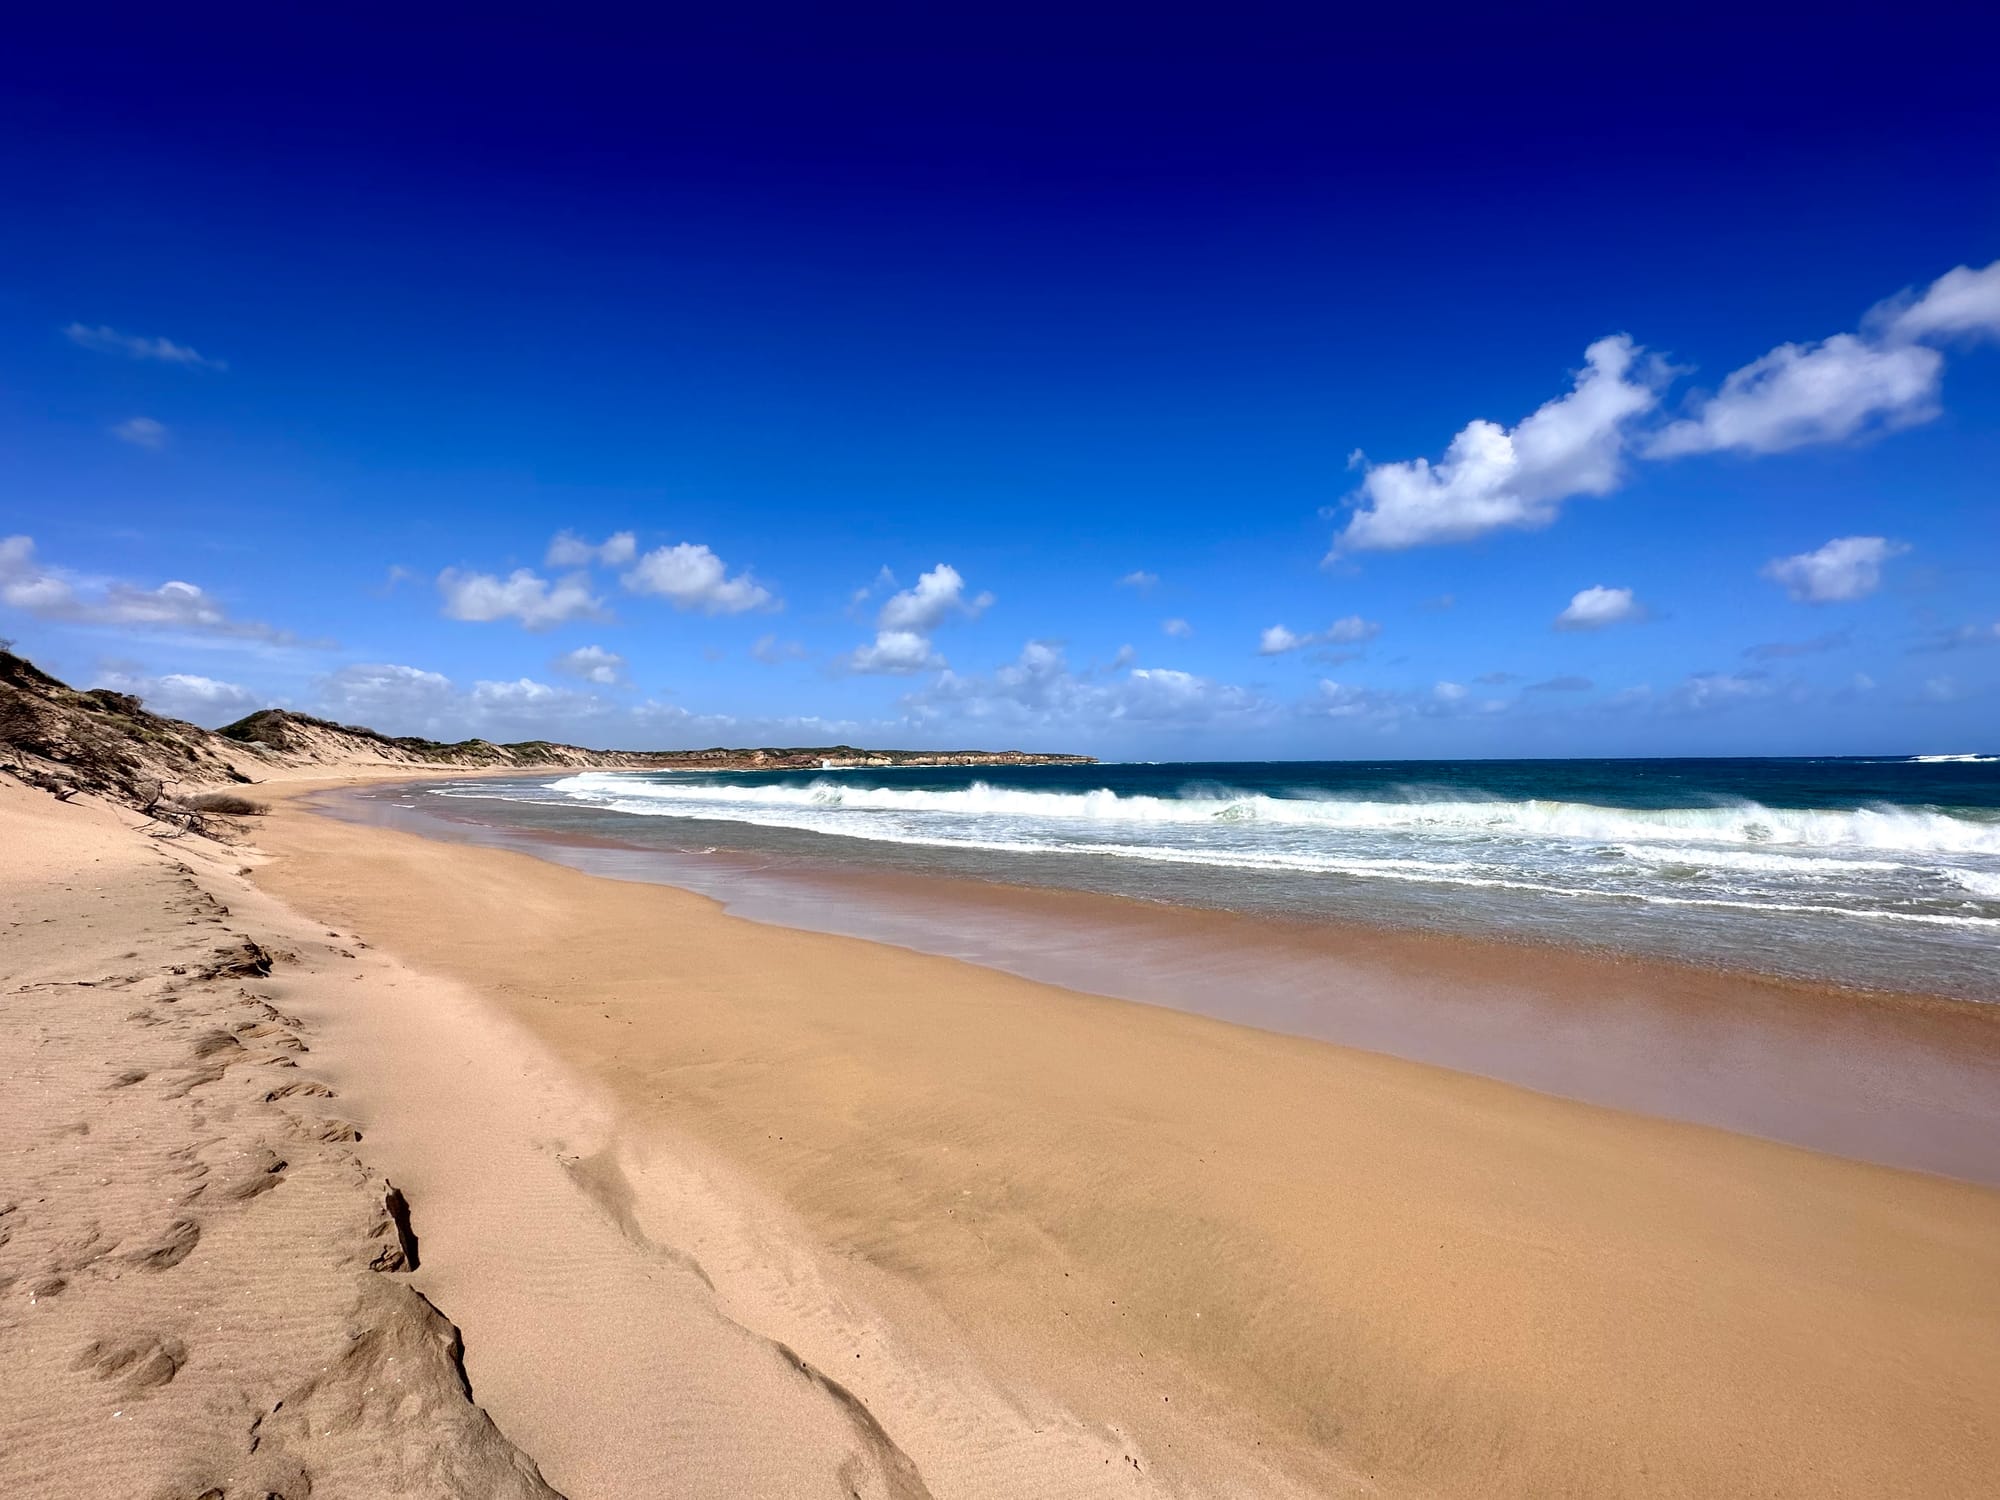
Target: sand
point(730, 1209)
point(1216, 1241)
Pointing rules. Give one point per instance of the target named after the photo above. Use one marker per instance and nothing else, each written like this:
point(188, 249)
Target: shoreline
point(1407, 1278)
point(1899, 1078)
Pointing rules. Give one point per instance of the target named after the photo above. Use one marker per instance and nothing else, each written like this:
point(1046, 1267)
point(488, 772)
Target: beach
point(723, 1207)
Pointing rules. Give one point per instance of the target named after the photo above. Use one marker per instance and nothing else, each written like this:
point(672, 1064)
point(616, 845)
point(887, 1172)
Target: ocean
point(1879, 873)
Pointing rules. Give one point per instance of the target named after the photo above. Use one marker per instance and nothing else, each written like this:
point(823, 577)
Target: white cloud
point(1039, 689)
point(1139, 579)
point(1960, 301)
point(937, 595)
point(689, 576)
point(1810, 393)
point(895, 653)
point(1448, 692)
point(52, 593)
point(772, 651)
point(1277, 640)
point(1596, 607)
point(1349, 630)
point(592, 664)
point(141, 432)
point(185, 695)
point(384, 691)
point(522, 595)
point(165, 351)
point(568, 550)
point(1493, 477)
point(903, 640)
point(1178, 628)
point(1848, 567)
point(522, 692)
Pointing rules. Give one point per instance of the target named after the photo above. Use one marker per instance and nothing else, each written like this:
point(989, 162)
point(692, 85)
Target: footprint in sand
point(138, 1360)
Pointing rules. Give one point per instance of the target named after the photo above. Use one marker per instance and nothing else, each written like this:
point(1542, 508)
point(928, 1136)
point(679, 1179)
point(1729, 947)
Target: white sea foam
point(826, 805)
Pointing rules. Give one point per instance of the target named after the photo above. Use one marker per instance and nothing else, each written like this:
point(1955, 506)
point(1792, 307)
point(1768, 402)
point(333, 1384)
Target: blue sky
point(1268, 385)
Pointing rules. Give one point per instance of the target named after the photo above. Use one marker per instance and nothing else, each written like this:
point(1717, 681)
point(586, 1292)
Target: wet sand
point(1899, 1079)
point(1260, 1261)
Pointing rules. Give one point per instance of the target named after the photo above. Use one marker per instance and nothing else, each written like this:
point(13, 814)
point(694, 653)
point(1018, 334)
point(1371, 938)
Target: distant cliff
point(54, 736)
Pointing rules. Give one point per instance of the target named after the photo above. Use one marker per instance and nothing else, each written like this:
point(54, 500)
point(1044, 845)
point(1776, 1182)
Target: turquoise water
point(1880, 872)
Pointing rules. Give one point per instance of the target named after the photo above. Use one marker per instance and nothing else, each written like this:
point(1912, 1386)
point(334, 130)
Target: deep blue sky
point(1050, 301)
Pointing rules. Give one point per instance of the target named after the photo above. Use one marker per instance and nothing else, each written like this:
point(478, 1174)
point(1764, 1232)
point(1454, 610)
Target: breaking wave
point(829, 806)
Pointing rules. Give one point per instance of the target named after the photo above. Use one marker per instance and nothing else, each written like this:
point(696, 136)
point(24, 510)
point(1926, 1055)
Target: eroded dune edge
point(204, 1286)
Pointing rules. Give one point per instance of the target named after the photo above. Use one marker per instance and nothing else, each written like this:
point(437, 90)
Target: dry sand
point(726, 1209)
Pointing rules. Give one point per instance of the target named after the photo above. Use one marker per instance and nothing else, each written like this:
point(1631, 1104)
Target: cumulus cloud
point(141, 432)
point(1596, 607)
point(132, 346)
point(51, 593)
point(1349, 630)
point(1810, 393)
point(937, 595)
point(568, 550)
point(185, 695)
point(1139, 579)
point(522, 595)
point(1847, 386)
point(1848, 567)
point(592, 664)
point(895, 653)
point(1178, 628)
point(908, 619)
point(690, 576)
point(1960, 301)
point(1493, 478)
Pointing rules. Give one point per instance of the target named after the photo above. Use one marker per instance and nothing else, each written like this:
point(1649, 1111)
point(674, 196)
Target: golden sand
point(1236, 1261)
